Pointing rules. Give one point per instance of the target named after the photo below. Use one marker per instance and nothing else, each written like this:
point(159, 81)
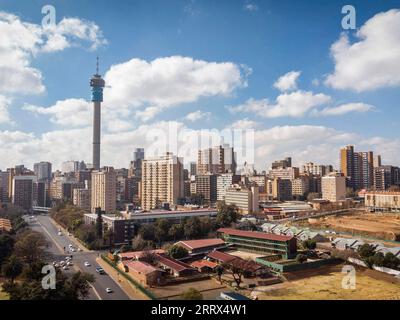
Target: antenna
point(97, 65)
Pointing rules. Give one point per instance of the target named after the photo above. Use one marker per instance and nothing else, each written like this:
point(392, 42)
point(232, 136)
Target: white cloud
point(4, 113)
point(244, 124)
point(250, 7)
point(293, 104)
point(197, 115)
point(288, 81)
point(69, 112)
point(167, 82)
point(345, 108)
point(22, 41)
point(374, 60)
point(72, 32)
point(305, 143)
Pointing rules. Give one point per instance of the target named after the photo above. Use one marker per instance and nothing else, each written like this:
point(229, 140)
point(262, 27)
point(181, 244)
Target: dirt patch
point(326, 284)
point(385, 226)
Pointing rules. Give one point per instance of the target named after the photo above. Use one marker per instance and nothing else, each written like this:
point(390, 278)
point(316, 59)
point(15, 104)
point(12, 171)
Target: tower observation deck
point(97, 83)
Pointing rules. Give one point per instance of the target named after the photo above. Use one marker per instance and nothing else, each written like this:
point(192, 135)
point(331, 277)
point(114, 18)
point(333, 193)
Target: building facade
point(333, 188)
point(103, 191)
point(162, 181)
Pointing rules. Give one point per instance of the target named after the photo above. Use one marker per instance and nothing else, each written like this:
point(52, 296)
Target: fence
point(380, 269)
point(148, 293)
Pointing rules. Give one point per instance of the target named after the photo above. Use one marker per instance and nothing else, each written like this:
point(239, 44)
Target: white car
point(65, 268)
point(69, 263)
point(87, 264)
point(62, 263)
point(108, 290)
point(60, 233)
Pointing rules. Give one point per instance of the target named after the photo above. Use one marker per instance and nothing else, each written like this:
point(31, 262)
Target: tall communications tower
point(97, 83)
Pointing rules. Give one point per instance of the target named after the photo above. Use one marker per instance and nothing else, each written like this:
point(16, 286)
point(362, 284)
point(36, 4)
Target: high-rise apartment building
point(216, 160)
point(316, 169)
point(73, 166)
point(386, 176)
point(104, 191)
point(193, 168)
point(288, 173)
point(162, 181)
point(333, 187)
point(281, 164)
point(357, 167)
point(246, 199)
point(22, 191)
point(225, 181)
point(281, 189)
point(301, 186)
point(135, 169)
point(206, 185)
point(42, 170)
point(82, 198)
point(4, 185)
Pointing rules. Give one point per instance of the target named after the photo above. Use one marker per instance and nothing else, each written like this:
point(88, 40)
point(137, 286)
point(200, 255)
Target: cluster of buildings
point(163, 182)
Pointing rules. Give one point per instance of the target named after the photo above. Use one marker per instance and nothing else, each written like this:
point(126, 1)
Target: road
point(43, 224)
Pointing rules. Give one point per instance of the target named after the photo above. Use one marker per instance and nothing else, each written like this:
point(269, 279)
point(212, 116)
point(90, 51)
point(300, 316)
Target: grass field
point(328, 286)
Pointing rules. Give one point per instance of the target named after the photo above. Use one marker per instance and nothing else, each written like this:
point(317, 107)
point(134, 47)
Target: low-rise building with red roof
point(202, 245)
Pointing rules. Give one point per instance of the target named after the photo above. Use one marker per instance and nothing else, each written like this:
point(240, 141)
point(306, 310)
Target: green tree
point(161, 229)
point(177, 252)
point(146, 231)
point(12, 268)
point(139, 244)
point(309, 244)
point(219, 270)
point(99, 224)
point(176, 231)
point(30, 246)
point(367, 253)
point(6, 247)
point(192, 294)
point(192, 228)
point(226, 214)
point(391, 261)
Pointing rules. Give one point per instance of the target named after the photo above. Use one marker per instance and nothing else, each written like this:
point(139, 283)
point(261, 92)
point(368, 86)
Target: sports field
point(327, 285)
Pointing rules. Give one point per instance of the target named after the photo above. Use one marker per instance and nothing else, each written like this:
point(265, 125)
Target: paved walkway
point(129, 288)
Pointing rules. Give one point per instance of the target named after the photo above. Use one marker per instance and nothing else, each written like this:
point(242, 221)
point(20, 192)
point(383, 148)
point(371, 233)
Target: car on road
point(100, 270)
point(87, 264)
point(65, 268)
point(60, 233)
point(109, 290)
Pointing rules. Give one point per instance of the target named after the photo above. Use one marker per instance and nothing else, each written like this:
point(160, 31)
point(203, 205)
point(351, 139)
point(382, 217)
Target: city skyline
point(303, 107)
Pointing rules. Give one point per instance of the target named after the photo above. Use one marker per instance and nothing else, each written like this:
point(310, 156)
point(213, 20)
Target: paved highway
point(58, 244)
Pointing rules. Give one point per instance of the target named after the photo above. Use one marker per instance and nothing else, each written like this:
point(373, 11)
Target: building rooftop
point(254, 234)
point(141, 267)
point(137, 255)
point(173, 264)
point(203, 263)
point(202, 243)
point(221, 256)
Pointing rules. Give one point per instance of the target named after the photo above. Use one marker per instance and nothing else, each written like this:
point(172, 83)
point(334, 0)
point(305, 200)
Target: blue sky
point(270, 38)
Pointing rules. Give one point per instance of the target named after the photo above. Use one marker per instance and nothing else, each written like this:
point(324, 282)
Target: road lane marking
point(63, 251)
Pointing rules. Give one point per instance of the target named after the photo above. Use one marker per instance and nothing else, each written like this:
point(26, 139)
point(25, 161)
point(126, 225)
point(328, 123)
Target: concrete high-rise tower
point(97, 83)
